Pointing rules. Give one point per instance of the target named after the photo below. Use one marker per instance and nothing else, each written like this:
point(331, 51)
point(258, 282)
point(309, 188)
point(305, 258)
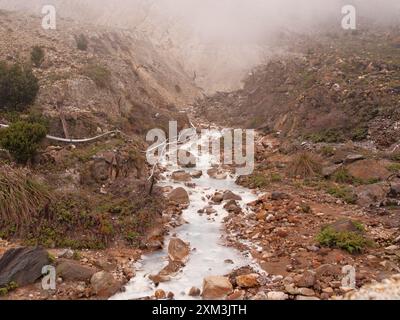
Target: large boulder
point(216, 287)
point(186, 159)
point(71, 270)
point(229, 195)
point(178, 250)
point(371, 194)
point(369, 170)
point(104, 285)
point(179, 195)
point(181, 176)
point(22, 265)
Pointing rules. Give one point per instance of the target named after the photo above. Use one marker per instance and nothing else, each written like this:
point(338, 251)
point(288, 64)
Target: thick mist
point(219, 40)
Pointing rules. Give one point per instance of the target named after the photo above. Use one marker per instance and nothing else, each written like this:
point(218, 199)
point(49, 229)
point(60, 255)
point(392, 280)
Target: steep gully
point(209, 255)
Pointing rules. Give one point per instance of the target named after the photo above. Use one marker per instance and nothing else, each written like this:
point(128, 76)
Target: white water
point(204, 234)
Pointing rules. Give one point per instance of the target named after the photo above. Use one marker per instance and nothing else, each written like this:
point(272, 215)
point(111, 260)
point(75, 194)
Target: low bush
point(353, 242)
point(22, 139)
point(99, 74)
point(18, 87)
point(37, 56)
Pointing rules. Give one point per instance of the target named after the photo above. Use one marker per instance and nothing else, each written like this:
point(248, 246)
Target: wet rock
point(229, 195)
point(196, 174)
point(248, 280)
point(178, 250)
point(216, 287)
point(160, 294)
point(22, 265)
point(71, 270)
point(217, 174)
point(158, 278)
point(104, 285)
point(186, 159)
point(194, 292)
point(181, 176)
point(277, 295)
point(232, 206)
point(217, 197)
point(179, 195)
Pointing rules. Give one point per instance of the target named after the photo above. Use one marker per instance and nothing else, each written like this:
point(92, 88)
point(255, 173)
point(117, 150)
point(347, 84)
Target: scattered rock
point(181, 176)
point(279, 196)
point(196, 174)
point(353, 158)
point(217, 174)
point(71, 270)
point(277, 295)
point(179, 195)
point(178, 250)
point(232, 206)
point(229, 195)
point(306, 280)
point(194, 292)
point(216, 287)
point(248, 280)
point(104, 285)
point(22, 265)
point(160, 294)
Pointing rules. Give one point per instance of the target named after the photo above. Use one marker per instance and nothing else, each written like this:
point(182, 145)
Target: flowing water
point(208, 254)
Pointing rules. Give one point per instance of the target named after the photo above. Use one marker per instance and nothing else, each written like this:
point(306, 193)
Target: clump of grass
point(327, 151)
point(99, 74)
point(394, 167)
point(22, 198)
point(343, 176)
point(352, 242)
point(344, 193)
point(8, 288)
point(305, 165)
point(259, 181)
point(275, 177)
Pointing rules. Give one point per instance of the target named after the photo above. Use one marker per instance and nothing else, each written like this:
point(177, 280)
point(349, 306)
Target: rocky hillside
point(119, 81)
point(333, 87)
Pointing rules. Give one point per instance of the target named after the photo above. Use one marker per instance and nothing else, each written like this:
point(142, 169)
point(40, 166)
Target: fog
point(227, 32)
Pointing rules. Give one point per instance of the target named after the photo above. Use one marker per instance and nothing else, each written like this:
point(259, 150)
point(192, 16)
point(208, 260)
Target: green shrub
point(352, 242)
point(394, 167)
point(344, 193)
point(18, 86)
point(37, 56)
point(22, 139)
point(327, 136)
point(81, 42)
point(99, 74)
point(343, 176)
